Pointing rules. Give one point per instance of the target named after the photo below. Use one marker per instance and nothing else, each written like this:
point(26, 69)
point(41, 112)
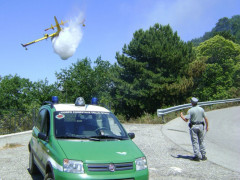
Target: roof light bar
point(94, 101)
point(54, 99)
point(79, 102)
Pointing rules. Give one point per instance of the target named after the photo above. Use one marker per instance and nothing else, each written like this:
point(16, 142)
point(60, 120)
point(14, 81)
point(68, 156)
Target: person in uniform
point(196, 117)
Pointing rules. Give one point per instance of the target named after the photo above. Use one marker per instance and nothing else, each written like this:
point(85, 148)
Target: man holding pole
point(196, 117)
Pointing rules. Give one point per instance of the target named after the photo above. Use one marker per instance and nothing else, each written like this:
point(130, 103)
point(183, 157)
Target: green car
point(80, 141)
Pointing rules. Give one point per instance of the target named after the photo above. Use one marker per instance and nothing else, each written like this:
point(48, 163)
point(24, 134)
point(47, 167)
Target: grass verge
point(154, 119)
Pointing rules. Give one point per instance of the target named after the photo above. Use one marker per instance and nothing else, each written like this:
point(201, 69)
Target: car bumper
point(137, 175)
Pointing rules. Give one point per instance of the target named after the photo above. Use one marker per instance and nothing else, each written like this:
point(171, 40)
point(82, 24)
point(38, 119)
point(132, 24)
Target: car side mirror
point(131, 135)
point(42, 136)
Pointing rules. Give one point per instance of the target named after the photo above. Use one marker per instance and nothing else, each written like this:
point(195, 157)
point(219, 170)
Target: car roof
point(72, 107)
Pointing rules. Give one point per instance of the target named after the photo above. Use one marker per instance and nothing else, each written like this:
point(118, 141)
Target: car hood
point(101, 151)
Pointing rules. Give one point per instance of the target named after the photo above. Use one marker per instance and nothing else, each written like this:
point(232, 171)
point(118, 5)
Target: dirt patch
point(11, 145)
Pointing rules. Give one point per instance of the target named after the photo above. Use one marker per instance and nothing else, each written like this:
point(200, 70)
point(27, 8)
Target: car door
point(43, 145)
point(35, 139)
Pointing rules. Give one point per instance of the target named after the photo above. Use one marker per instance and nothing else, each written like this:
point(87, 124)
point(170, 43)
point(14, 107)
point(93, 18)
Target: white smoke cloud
point(69, 38)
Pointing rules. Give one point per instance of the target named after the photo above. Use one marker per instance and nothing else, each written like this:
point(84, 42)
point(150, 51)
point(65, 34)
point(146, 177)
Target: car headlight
point(141, 163)
point(73, 166)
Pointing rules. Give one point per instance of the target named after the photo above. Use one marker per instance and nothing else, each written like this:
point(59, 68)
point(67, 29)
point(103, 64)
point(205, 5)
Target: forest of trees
point(155, 70)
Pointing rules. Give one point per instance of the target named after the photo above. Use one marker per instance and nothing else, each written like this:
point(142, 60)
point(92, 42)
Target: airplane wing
point(45, 37)
point(53, 34)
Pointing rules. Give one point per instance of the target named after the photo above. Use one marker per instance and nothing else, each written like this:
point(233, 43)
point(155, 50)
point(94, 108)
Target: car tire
point(32, 166)
point(49, 176)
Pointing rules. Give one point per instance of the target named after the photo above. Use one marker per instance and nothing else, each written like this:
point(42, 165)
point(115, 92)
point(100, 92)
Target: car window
point(87, 124)
point(40, 119)
point(46, 122)
point(43, 121)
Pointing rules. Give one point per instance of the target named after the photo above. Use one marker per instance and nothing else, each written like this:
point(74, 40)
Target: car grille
point(105, 167)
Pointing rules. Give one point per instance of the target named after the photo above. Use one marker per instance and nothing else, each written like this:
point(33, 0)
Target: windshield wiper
point(92, 138)
point(76, 137)
point(107, 137)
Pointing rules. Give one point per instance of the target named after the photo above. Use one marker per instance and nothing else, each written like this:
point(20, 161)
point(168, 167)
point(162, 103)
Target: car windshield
point(88, 125)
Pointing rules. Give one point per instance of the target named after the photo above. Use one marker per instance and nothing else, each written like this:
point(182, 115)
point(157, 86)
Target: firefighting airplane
point(46, 36)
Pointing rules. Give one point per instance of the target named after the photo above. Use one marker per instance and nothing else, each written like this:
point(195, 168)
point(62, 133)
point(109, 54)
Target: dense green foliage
point(221, 76)
point(155, 70)
point(22, 94)
point(83, 80)
point(152, 71)
point(228, 28)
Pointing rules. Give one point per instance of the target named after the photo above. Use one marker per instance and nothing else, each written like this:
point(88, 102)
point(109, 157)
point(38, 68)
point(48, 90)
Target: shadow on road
point(183, 157)
point(177, 130)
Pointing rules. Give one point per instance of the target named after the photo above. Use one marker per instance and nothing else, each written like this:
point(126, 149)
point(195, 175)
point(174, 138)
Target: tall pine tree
point(152, 71)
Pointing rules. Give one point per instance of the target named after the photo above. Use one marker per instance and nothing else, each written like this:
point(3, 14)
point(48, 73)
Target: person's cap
point(194, 100)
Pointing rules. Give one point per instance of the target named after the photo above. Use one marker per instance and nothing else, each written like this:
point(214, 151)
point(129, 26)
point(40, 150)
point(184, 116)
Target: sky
point(109, 24)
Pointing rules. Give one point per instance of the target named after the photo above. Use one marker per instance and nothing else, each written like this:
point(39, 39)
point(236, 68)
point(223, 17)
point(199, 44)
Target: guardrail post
point(15, 122)
point(163, 119)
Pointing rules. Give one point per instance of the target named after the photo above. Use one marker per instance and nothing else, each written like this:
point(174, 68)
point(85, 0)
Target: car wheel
point(49, 176)
point(32, 167)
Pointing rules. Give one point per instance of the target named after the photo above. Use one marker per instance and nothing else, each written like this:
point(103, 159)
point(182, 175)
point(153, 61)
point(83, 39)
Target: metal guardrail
point(162, 112)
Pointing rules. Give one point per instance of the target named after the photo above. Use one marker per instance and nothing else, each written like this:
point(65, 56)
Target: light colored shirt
point(196, 114)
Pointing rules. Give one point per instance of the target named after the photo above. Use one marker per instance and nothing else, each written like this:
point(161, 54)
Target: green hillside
point(228, 28)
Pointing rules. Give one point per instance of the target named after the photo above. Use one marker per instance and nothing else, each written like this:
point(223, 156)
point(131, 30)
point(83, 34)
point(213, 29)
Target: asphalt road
point(167, 147)
point(222, 140)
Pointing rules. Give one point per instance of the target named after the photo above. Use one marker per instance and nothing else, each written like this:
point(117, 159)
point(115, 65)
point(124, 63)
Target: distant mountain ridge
point(228, 28)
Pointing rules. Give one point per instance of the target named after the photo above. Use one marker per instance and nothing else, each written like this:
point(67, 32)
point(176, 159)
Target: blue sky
point(109, 25)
